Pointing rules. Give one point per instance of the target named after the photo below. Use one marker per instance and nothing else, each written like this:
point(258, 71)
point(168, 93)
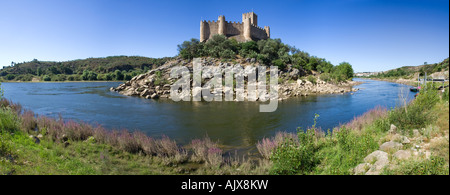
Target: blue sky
point(372, 35)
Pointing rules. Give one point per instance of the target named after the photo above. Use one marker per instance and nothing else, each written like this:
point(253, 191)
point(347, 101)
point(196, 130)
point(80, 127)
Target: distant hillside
point(410, 72)
point(109, 68)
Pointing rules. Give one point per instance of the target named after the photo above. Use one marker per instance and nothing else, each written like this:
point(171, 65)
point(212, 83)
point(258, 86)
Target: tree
point(118, 75)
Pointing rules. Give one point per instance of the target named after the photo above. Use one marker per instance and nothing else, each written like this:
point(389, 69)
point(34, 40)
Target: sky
point(372, 35)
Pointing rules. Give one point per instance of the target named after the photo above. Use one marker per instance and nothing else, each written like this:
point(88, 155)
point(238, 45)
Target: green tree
point(46, 78)
point(118, 75)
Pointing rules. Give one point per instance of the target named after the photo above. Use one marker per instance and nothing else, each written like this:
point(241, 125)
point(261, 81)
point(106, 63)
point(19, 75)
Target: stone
point(154, 96)
point(376, 156)
point(416, 133)
point(404, 140)
point(402, 154)
point(393, 129)
point(391, 146)
point(294, 73)
point(362, 168)
point(379, 159)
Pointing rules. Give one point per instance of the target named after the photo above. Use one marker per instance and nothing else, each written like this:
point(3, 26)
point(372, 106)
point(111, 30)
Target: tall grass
point(358, 123)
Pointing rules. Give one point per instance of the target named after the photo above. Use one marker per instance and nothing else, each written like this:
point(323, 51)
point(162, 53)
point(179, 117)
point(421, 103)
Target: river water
point(234, 124)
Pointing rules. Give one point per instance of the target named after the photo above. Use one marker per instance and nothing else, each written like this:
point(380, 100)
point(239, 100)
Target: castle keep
point(246, 31)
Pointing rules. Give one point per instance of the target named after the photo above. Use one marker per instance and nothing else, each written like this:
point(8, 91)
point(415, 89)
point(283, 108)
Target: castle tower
point(203, 36)
point(267, 29)
point(247, 29)
point(222, 25)
point(253, 18)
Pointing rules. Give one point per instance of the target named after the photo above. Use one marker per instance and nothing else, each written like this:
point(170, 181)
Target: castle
point(248, 30)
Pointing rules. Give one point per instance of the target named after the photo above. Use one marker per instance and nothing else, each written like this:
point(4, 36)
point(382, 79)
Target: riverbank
point(400, 141)
point(291, 83)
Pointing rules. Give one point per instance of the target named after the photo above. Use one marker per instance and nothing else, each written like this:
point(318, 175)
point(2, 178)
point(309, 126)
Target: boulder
point(416, 133)
point(393, 129)
point(391, 146)
point(362, 168)
point(154, 96)
point(294, 74)
point(376, 156)
point(379, 159)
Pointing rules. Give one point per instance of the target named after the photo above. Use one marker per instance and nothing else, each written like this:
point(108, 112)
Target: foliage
point(312, 79)
point(417, 114)
point(433, 166)
point(268, 52)
point(409, 71)
point(296, 157)
point(73, 70)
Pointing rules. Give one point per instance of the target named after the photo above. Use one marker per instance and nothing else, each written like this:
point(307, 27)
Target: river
point(234, 124)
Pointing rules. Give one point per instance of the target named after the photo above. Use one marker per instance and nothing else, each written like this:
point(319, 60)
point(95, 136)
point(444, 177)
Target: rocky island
point(292, 81)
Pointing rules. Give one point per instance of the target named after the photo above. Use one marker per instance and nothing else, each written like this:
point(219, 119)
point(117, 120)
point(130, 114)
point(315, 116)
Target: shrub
point(200, 148)
point(214, 157)
point(46, 78)
point(8, 120)
point(267, 146)
point(417, 114)
point(312, 79)
point(292, 157)
point(280, 63)
point(10, 77)
point(325, 77)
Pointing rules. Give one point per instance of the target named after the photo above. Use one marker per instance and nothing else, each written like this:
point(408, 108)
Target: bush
point(8, 120)
point(118, 75)
point(46, 78)
point(312, 79)
point(10, 77)
point(417, 114)
point(295, 157)
point(325, 77)
point(278, 62)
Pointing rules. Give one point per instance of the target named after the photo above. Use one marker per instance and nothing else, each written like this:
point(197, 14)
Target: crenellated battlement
point(246, 30)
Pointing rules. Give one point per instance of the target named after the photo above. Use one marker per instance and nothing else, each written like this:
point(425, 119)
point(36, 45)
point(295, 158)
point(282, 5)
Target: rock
point(294, 73)
point(376, 156)
point(155, 96)
point(416, 133)
point(404, 140)
point(146, 92)
point(391, 146)
point(361, 168)
point(393, 129)
point(380, 160)
point(402, 154)
point(166, 87)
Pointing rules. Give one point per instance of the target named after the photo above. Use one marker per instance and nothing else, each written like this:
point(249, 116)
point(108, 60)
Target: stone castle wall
point(234, 30)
